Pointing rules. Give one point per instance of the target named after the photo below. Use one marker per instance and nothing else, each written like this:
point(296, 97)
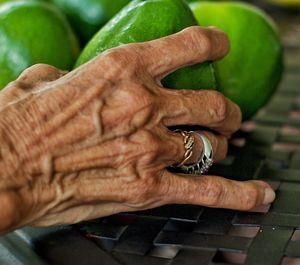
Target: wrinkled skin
point(95, 141)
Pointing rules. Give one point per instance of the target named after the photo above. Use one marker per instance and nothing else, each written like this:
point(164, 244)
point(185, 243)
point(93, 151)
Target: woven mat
point(268, 147)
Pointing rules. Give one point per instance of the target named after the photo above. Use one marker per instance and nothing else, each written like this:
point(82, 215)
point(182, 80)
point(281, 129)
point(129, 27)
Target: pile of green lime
point(31, 33)
point(160, 18)
point(251, 71)
point(88, 16)
point(37, 32)
point(248, 75)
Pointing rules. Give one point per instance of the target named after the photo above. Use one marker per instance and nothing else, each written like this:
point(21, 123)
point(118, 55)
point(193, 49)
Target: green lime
point(147, 20)
point(88, 16)
point(31, 33)
point(5, 1)
point(251, 72)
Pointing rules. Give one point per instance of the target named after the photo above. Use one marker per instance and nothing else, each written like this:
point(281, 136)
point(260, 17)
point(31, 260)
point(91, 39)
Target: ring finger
point(166, 146)
point(218, 142)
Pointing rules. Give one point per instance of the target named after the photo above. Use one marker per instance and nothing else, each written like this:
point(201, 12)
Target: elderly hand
point(95, 141)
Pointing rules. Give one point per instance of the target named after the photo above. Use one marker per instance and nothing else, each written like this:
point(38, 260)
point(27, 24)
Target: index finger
point(189, 46)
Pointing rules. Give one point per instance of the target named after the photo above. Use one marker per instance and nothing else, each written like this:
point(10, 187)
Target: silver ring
point(205, 161)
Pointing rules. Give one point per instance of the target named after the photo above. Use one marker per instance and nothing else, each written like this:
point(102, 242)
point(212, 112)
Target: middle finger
point(207, 108)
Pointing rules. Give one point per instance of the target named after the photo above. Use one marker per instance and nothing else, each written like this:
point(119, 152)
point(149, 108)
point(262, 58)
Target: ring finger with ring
point(199, 151)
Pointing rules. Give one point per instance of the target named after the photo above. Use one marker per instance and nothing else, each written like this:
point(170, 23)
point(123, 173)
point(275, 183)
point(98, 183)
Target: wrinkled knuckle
point(196, 32)
point(204, 37)
point(222, 108)
point(213, 193)
point(141, 106)
point(122, 59)
point(219, 108)
point(39, 69)
point(142, 191)
point(206, 42)
point(251, 197)
point(44, 67)
point(115, 54)
point(35, 67)
point(145, 97)
point(52, 71)
point(222, 40)
point(196, 36)
point(37, 74)
point(215, 42)
point(134, 49)
point(142, 194)
point(150, 141)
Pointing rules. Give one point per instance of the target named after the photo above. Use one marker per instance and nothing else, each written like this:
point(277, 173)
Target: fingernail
point(269, 196)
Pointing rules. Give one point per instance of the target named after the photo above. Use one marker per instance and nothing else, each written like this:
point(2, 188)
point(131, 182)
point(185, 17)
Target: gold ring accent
point(188, 141)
